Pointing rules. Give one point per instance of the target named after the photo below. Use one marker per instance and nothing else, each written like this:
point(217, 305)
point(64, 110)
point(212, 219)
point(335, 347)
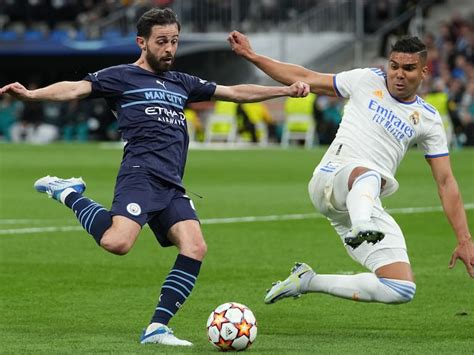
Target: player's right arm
point(61, 91)
point(454, 210)
point(284, 73)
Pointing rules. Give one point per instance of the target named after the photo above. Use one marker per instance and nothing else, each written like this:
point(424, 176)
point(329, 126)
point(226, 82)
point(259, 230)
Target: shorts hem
point(386, 262)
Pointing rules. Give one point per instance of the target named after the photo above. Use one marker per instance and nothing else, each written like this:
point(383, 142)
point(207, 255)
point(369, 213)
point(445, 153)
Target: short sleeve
point(198, 89)
point(434, 143)
point(106, 83)
point(345, 83)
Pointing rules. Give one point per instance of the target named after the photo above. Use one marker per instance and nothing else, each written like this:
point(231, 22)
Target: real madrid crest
point(415, 117)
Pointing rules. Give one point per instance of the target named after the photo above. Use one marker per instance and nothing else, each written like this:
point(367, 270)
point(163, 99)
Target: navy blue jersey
point(149, 110)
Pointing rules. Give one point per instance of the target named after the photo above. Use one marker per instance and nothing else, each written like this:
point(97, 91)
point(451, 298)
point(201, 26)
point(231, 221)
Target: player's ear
point(141, 43)
point(424, 72)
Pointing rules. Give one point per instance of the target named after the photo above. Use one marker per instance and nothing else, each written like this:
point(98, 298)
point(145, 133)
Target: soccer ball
point(231, 326)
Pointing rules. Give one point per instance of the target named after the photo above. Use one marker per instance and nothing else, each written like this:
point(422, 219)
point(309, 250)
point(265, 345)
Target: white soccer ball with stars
point(232, 326)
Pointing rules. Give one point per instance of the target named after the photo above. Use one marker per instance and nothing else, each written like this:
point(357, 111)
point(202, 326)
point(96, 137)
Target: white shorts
point(328, 191)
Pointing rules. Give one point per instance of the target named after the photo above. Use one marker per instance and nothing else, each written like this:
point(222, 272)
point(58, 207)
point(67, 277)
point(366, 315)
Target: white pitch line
point(40, 230)
point(286, 217)
point(281, 217)
point(28, 221)
point(409, 210)
point(248, 219)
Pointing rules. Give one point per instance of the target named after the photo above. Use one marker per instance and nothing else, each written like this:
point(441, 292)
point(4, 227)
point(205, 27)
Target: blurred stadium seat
point(111, 34)
point(298, 127)
point(59, 35)
point(8, 36)
point(33, 35)
point(220, 127)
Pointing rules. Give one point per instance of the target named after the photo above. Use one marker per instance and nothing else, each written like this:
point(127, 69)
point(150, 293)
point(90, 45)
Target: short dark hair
point(156, 17)
point(410, 44)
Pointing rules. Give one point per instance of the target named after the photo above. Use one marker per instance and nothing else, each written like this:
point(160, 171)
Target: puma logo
point(161, 83)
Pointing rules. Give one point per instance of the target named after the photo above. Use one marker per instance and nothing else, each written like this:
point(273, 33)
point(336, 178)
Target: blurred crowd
point(450, 83)
point(87, 19)
point(449, 87)
point(44, 122)
point(37, 19)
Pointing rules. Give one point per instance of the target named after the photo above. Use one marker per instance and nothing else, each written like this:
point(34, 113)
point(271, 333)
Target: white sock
point(67, 191)
point(363, 287)
point(361, 198)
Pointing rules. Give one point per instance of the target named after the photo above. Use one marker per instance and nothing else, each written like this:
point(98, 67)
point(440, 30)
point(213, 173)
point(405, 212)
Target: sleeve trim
point(336, 90)
point(429, 156)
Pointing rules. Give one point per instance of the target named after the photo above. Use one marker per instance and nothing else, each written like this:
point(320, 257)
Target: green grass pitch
point(60, 293)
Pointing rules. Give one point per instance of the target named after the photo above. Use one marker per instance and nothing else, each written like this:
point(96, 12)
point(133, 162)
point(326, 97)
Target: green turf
point(60, 293)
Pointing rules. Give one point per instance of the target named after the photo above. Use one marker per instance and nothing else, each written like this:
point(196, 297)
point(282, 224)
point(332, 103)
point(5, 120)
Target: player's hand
point(298, 89)
point(465, 252)
point(240, 44)
point(16, 90)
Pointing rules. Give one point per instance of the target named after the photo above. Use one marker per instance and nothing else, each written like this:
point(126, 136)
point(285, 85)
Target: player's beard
point(158, 65)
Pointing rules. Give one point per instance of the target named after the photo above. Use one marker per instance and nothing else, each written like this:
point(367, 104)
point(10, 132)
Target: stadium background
point(43, 41)
point(61, 294)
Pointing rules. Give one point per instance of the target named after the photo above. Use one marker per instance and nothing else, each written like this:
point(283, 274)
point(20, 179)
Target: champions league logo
point(415, 117)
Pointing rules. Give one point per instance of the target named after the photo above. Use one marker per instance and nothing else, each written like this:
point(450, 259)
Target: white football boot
point(364, 232)
point(294, 285)
point(58, 188)
point(158, 333)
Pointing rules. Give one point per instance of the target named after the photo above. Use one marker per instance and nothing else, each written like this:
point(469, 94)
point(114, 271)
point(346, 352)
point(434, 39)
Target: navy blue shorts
point(145, 198)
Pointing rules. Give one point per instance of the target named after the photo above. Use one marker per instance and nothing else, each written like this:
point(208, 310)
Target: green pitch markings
point(247, 219)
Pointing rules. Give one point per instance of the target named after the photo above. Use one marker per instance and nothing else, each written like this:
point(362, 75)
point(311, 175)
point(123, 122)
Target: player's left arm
point(60, 91)
point(285, 73)
point(454, 209)
point(255, 93)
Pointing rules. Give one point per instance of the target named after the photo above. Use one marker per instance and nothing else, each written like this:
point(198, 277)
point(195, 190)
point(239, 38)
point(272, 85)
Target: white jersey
point(377, 129)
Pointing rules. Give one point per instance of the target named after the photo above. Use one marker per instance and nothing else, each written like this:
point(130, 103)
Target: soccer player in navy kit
point(148, 101)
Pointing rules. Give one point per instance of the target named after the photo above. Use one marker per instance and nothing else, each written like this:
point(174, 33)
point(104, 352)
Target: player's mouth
point(167, 60)
point(400, 86)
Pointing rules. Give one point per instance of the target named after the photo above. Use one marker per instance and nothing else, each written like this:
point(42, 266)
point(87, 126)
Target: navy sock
point(176, 288)
point(94, 218)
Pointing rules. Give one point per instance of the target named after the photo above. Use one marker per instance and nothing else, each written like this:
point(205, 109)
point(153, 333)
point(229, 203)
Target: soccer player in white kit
point(383, 117)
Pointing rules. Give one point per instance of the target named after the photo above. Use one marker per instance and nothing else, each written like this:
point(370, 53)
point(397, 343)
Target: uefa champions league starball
point(231, 326)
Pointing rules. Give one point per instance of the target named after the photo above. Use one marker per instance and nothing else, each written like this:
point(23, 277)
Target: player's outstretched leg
point(293, 286)
point(94, 218)
point(360, 202)
point(158, 333)
point(365, 287)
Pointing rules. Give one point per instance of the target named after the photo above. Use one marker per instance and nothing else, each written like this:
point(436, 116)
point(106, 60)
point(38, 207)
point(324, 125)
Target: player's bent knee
point(403, 299)
point(118, 246)
point(196, 249)
point(202, 249)
point(400, 299)
point(409, 298)
point(398, 291)
point(199, 249)
point(114, 248)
